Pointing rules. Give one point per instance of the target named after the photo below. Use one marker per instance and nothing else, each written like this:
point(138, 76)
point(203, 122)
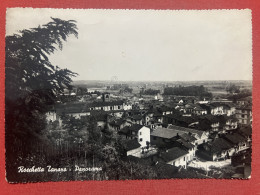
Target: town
point(180, 129)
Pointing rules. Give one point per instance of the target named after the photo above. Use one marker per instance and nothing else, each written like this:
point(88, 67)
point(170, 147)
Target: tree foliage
point(32, 82)
point(199, 91)
point(151, 92)
point(233, 89)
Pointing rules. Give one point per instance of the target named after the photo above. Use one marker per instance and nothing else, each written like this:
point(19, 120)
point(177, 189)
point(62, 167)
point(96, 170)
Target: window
point(184, 158)
point(141, 139)
point(140, 133)
point(101, 108)
point(154, 138)
point(119, 107)
point(111, 107)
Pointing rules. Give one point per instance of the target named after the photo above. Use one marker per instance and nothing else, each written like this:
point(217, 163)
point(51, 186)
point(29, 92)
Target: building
point(117, 124)
point(175, 156)
point(73, 109)
point(244, 114)
point(244, 101)
point(216, 150)
point(224, 147)
point(230, 124)
point(214, 108)
point(144, 136)
point(138, 132)
point(201, 136)
point(229, 109)
point(239, 142)
point(106, 106)
point(161, 137)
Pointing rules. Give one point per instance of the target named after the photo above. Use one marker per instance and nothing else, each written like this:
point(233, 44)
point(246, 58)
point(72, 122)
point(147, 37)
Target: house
point(140, 139)
point(161, 137)
point(244, 114)
point(107, 106)
point(224, 147)
point(214, 108)
point(179, 120)
point(136, 131)
point(244, 101)
point(241, 159)
point(186, 145)
point(246, 132)
point(208, 123)
point(73, 109)
point(118, 124)
point(239, 142)
point(127, 106)
point(136, 119)
point(216, 123)
point(189, 108)
point(148, 118)
point(144, 136)
point(164, 110)
point(216, 150)
point(198, 110)
point(142, 133)
point(155, 115)
point(229, 109)
point(230, 123)
point(175, 156)
point(201, 136)
point(188, 138)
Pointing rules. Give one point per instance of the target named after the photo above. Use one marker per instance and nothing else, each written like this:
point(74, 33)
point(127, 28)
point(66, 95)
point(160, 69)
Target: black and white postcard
point(95, 94)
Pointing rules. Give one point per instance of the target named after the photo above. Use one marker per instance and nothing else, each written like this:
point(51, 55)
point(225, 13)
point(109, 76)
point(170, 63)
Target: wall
point(181, 161)
point(134, 151)
point(144, 134)
point(127, 106)
point(79, 115)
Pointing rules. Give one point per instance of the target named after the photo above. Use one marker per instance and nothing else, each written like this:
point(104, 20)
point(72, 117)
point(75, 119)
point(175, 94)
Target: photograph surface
point(95, 94)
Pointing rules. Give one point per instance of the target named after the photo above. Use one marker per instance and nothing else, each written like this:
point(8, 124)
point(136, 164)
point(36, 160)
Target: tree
point(233, 89)
point(151, 92)
point(32, 82)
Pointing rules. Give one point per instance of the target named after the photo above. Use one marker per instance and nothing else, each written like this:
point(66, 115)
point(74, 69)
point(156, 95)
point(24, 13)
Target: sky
point(149, 45)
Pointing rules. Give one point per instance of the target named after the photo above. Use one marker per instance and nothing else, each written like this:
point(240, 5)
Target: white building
point(144, 136)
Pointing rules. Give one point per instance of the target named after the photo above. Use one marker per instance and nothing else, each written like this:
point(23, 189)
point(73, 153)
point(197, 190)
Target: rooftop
point(218, 145)
point(112, 103)
point(166, 133)
point(187, 130)
point(135, 127)
point(173, 154)
point(185, 144)
point(234, 138)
